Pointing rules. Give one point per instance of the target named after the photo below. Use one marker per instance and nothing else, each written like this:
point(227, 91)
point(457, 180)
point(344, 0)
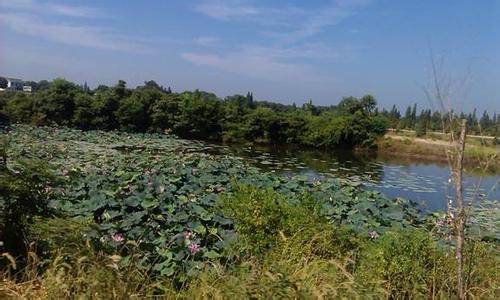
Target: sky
point(282, 51)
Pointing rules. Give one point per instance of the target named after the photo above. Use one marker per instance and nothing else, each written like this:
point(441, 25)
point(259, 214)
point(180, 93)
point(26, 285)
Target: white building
point(11, 84)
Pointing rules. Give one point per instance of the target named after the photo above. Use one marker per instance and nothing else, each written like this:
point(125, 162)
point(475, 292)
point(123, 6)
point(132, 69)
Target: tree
point(485, 121)
point(421, 128)
point(85, 87)
point(439, 93)
point(200, 116)
point(310, 108)
point(101, 88)
point(42, 85)
point(83, 114)
point(3, 83)
point(133, 112)
point(56, 104)
point(413, 118)
point(103, 107)
point(368, 103)
point(164, 113)
point(19, 108)
point(249, 100)
point(121, 89)
point(264, 125)
point(153, 84)
point(197, 114)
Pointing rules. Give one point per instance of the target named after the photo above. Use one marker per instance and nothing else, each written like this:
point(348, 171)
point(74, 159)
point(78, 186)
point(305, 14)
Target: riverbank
point(480, 156)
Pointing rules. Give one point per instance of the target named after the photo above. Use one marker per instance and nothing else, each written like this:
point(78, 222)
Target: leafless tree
point(439, 92)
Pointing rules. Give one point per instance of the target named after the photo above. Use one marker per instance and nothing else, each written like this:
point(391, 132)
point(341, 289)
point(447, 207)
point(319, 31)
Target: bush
point(402, 261)
point(263, 216)
point(24, 193)
point(58, 235)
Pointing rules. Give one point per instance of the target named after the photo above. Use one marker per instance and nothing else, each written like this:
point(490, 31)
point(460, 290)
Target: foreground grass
point(284, 251)
point(312, 264)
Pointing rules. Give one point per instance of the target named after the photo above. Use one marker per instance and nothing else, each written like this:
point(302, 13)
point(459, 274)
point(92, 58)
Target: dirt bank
point(480, 157)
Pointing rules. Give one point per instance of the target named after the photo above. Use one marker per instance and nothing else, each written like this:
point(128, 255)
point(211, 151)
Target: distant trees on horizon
point(197, 114)
point(428, 120)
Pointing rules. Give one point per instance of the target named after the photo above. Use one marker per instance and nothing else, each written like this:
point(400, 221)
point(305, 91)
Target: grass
point(477, 157)
point(300, 257)
point(386, 268)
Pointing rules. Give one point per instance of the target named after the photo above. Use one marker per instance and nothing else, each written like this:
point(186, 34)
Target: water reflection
point(422, 181)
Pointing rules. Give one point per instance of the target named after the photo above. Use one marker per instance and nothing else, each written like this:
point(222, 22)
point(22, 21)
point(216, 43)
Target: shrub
point(402, 261)
point(267, 221)
point(24, 193)
point(58, 235)
point(262, 216)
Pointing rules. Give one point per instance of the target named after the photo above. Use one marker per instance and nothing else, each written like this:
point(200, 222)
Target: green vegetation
point(197, 115)
point(137, 215)
point(436, 121)
point(480, 155)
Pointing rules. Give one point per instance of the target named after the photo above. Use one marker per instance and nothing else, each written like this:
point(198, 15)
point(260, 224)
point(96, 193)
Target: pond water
point(424, 182)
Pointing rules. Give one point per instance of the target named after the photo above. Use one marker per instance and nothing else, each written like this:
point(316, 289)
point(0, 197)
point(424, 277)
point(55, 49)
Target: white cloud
point(61, 23)
point(77, 35)
point(310, 51)
point(206, 41)
point(17, 4)
point(289, 30)
point(73, 11)
point(225, 9)
point(51, 8)
point(316, 23)
point(257, 63)
point(288, 23)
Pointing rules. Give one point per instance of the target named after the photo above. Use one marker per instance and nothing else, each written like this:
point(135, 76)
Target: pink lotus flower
point(118, 237)
point(193, 248)
point(440, 223)
point(373, 234)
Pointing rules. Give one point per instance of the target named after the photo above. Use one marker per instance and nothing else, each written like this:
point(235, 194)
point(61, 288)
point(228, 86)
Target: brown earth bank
point(477, 157)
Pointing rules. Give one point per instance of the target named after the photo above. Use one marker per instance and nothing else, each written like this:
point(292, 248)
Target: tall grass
point(301, 256)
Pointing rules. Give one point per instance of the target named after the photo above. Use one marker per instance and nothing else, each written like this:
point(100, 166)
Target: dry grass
point(292, 270)
point(476, 156)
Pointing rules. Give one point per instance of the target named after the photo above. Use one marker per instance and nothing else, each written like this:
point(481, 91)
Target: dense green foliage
point(151, 214)
point(436, 121)
point(24, 194)
point(200, 115)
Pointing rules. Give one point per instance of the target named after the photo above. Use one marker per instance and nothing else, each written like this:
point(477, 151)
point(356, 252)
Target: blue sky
point(285, 51)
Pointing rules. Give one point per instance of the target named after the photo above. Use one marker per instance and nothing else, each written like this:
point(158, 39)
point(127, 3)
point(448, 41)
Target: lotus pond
point(424, 182)
point(162, 192)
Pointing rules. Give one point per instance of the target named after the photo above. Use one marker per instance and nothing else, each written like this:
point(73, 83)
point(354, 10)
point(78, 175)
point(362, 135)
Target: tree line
point(427, 120)
point(197, 114)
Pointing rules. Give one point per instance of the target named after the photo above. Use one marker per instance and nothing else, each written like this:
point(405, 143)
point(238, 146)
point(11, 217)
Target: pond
point(424, 182)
